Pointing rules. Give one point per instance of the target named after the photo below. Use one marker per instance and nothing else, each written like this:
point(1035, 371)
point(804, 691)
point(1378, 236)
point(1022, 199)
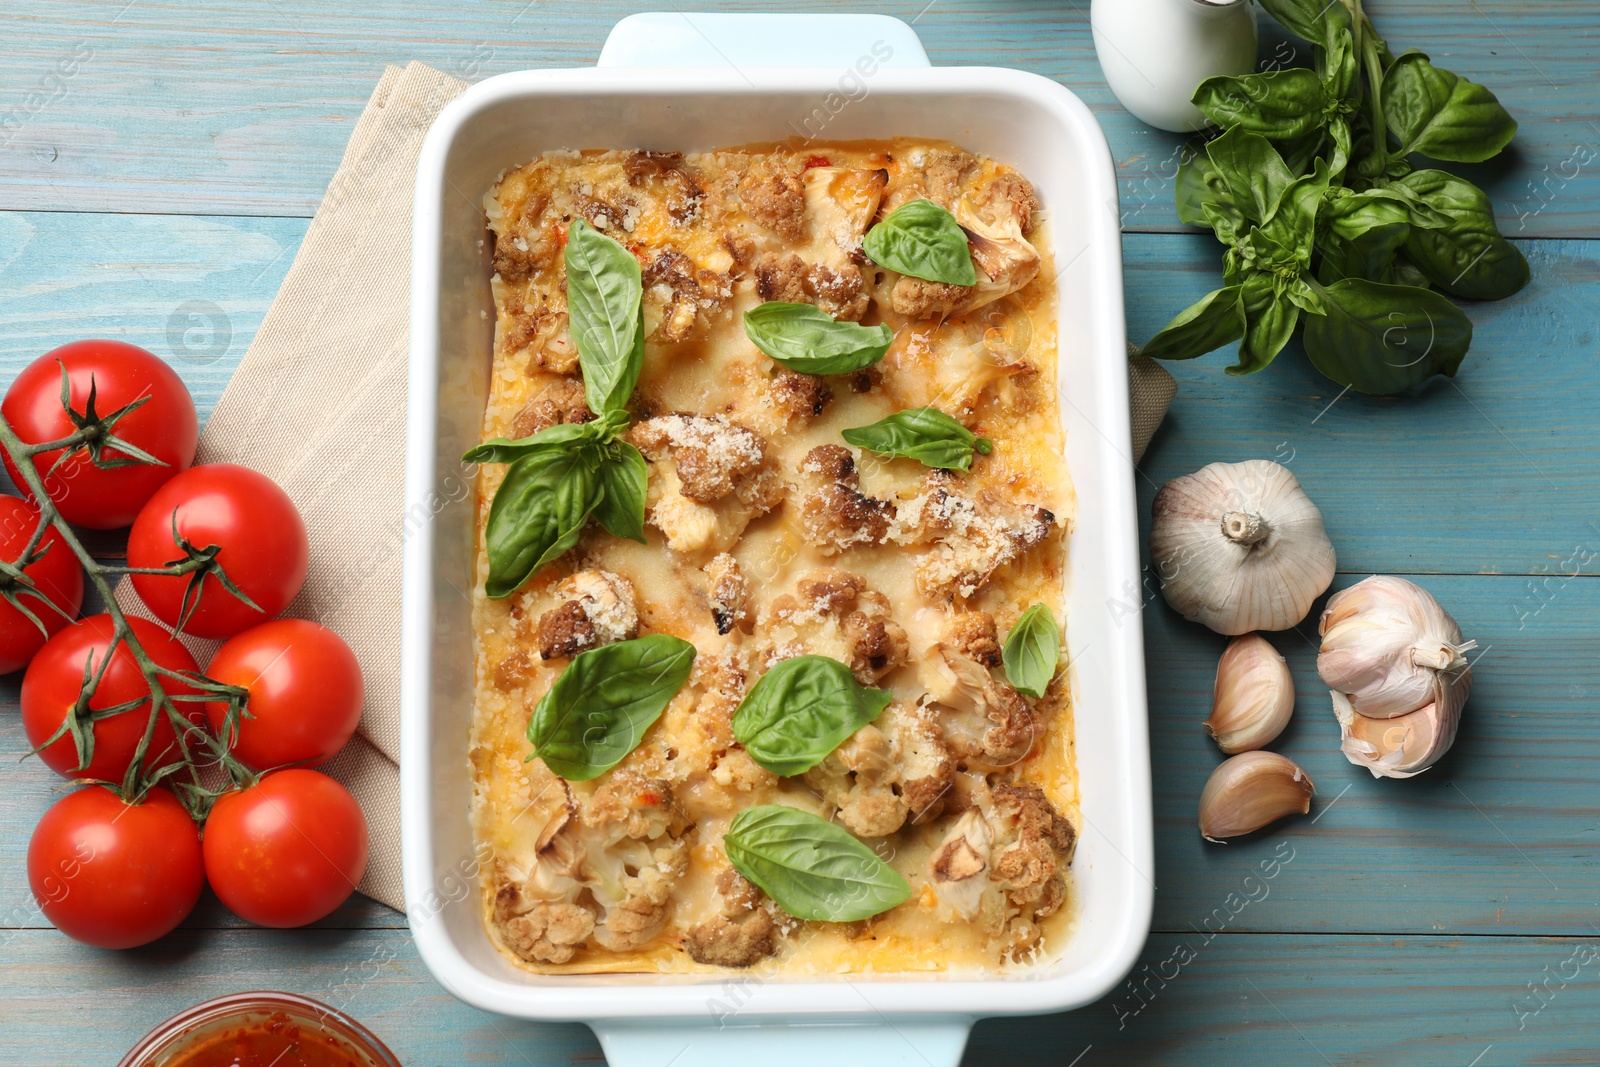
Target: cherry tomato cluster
point(214, 551)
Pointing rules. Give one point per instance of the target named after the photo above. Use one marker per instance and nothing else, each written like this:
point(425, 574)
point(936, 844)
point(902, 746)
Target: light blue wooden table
point(158, 165)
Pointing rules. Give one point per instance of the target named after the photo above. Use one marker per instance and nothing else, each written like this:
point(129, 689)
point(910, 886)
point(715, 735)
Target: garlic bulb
point(1398, 669)
point(1240, 547)
point(1253, 696)
point(1250, 790)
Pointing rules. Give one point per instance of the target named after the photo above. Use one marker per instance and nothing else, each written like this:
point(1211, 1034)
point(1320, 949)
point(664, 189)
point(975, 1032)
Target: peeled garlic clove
point(1250, 790)
point(1401, 747)
point(1391, 649)
point(1240, 547)
point(1253, 696)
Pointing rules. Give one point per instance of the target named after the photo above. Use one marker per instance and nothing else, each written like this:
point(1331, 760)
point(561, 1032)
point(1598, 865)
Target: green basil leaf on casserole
point(925, 241)
point(559, 438)
point(538, 513)
point(927, 435)
point(809, 340)
point(811, 867)
point(1032, 651)
point(600, 707)
point(801, 710)
point(622, 485)
point(604, 298)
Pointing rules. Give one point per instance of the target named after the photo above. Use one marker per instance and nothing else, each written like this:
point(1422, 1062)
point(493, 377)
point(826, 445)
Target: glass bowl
point(193, 1029)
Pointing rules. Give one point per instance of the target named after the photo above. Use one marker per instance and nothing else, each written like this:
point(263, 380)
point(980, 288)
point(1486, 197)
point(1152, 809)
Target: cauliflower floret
point(709, 477)
point(859, 779)
point(835, 514)
point(741, 933)
point(971, 539)
point(545, 931)
point(676, 290)
point(983, 720)
point(837, 290)
point(834, 613)
point(774, 197)
point(973, 634)
point(730, 595)
point(560, 401)
point(959, 867)
point(598, 608)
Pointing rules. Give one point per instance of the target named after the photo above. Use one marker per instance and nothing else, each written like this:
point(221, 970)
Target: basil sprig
point(563, 475)
point(801, 710)
point(809, 340)
point(927, 435)
point(1329, 229)
point(600, 707)
point(923, 240)
point(1032, 651)
point(814, 869)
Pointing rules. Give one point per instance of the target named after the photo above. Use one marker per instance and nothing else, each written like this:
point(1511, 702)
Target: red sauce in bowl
point(260, 1030)
point(276, 1041)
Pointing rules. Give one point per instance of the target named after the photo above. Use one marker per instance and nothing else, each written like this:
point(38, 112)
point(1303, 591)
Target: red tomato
point(115, 875)
point(287, 850)
point(50, 688)
point(262, 540)
point(305, 693)
point(164, 426)
point(57, 575)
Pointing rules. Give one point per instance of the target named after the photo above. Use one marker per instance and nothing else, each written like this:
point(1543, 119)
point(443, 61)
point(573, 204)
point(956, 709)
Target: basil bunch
point(1032, 651)
point(812, 868)
point(1328, 226)
point(923, 240)
point(809, 340)
point(801, 710)
point(599, 708)
point(926, 435)
point(563, 476)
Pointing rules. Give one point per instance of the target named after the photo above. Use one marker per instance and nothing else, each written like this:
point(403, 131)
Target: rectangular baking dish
point(866, 76)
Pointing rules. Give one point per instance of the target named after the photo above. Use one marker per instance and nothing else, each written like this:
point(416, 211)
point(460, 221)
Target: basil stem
point(927, 435)
point(813, 869)
point(1032, 651)
point(801, 710)
point(925, 241)
point(809, 340)
point(600, 707)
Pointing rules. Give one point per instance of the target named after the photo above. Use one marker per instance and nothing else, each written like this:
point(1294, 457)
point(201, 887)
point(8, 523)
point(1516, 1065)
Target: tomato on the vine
point(260, 544)
point(52, 682)
point(56, 575)
point(115, 374)
point(305, 693)
point(286, 850)
point(112, 874)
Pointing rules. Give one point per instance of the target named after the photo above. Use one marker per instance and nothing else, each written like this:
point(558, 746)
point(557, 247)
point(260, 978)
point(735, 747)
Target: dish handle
point(862, 43)
point(923, 1041)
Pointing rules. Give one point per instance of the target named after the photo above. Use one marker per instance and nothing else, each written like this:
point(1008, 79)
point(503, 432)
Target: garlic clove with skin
point(1240, 547)
point(1401, 747)
point(1251, 790)
point(1253, 696)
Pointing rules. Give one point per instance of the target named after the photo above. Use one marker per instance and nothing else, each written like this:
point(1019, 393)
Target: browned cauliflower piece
point(982, 720)
point(946, 171)
point(539, 930)
point(709, 477)
point(676, 291)
point(838, 290)
point(959, 867)
point(927, 770)
point(561, 401)
point(971, 539)
point(742, 932)
point(774, 197)
point(835, 515)
point(974, 635)
point(523, 245)
point(730, 596)
point(1007, 196)
point(834, 613)
point(860, 779)
point(598, 608)
point(543, 329)
point(800, 397)
point(918, 298)
point(681, 187)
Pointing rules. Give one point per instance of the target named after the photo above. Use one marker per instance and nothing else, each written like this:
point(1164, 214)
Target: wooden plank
point(1234, 999)
point(245, 107)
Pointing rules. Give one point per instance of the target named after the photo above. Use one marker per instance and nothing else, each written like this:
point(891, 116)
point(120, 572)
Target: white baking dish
point(703, 102)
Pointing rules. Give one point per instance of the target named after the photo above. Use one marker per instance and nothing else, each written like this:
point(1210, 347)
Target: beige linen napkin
point(318, 404)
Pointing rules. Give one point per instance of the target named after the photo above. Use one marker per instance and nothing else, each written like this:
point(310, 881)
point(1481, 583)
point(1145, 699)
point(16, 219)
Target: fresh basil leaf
point(1353, 214)
point(801, 710)
point(1270, 319)
point(1385, 339)
point(1298, 153)
point(927, 435)
point(1441, 114)
point(812, 868)
point(1032, 651)
point(538, 513)
point(1467, 256)
point(1280, 104)
point(1310, 19)
point(1338, 64)
point(600, 707)
point(1254, 172)
point(809, 340)
point(1292, 225)
point(622, 488)
point(1369, 255)
point(604, 298)
point(1213, 321)
point(558, 438)
point(1199, 184)
point(923, 240)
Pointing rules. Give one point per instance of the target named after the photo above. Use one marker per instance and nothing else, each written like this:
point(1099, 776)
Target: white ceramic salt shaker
point(1156, 52)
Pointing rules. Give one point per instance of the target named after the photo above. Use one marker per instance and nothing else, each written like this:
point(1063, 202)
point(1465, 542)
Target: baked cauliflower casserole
point(772, 524)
